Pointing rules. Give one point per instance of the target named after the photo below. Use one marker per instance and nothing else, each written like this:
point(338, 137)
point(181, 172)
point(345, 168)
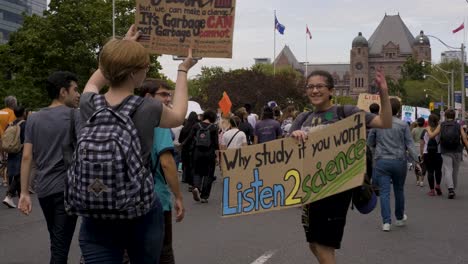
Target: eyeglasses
point(319, 86)
point(164, 94)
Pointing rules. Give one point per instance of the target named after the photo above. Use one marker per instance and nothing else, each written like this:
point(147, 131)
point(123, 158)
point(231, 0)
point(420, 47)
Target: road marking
point(264, 258)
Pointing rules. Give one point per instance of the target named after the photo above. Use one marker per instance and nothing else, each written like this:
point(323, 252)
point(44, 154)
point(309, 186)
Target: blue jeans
point(394, 170)
point(104, 241)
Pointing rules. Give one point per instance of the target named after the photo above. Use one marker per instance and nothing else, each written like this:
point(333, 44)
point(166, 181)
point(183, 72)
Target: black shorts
point(324, 220)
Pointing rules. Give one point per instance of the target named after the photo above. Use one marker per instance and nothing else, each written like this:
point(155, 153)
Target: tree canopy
point(68, 37)
point(255, 86)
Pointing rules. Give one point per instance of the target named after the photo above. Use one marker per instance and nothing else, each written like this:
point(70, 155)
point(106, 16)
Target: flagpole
point(113, 18)
point(274, 47)
point(306, 59)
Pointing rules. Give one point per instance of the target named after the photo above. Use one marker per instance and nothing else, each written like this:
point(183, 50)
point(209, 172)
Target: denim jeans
point(61, 226)
point(395, 171)
point(104, 241)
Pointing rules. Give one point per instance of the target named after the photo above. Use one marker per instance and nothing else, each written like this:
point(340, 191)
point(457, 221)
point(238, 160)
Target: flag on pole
point(225, 104)
point(280, 27)
point(462, 26)
point(308, 32)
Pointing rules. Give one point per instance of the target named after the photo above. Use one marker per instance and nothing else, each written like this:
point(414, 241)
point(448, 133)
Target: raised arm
point(176, 116)
point(384, 120)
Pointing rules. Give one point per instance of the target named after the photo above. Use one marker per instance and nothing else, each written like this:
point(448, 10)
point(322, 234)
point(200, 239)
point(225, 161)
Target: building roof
point(339, 68)
point(289, 55)
point(360, 41)
point(392, 28)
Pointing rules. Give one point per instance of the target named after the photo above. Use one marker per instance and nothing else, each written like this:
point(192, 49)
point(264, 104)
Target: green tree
point(68, 37)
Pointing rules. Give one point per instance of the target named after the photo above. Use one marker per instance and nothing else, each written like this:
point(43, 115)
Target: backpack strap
point(340, 112)
point(128, 106)
point(235, 134)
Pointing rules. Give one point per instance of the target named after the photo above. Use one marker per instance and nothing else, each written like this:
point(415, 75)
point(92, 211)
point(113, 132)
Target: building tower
point(359, 68)
point(422, 48)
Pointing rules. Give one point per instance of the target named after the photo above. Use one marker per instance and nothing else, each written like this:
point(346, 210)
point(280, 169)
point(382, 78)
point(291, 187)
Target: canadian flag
point(308, 32)
point(462, 26)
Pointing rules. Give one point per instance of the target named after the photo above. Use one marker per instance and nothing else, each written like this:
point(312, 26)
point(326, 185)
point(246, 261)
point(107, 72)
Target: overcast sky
point(333, 23)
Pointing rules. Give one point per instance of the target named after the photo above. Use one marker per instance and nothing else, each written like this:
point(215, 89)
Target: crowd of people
point(121, 174)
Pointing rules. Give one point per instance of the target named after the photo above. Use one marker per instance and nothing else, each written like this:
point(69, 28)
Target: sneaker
point(438, 190)
point(431, 193)
point(402, 222)
point(204, 200)
point(451, 194)
point(9, 202)
point(196, 194)
point(421, 184)
point(386, 227)
point(417, 183)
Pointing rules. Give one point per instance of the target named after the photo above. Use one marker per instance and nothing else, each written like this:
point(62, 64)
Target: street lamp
point(462, 50)
point(434, 78)
point(451, 92)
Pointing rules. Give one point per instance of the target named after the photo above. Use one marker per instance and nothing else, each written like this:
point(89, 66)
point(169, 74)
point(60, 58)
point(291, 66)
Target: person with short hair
point(46, 132)
point(374, 108)
point(268, 128)
point(391, 146)
point(164, 167)
point(324, 220)
point(123, 65)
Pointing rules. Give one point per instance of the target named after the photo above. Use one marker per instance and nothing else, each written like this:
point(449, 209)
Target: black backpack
point(203, 137)
point(364, 197)
point(450, 135)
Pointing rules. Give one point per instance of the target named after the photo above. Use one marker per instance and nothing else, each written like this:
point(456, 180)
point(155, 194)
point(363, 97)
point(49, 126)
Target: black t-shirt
point(213, 136)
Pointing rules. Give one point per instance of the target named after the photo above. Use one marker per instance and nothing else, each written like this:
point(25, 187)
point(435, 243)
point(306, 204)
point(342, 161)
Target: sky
point(333, 24)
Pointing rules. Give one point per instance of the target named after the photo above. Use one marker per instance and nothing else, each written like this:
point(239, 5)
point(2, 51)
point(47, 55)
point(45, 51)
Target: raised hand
point(188, 63)
point(380, 81)
point(132, 33)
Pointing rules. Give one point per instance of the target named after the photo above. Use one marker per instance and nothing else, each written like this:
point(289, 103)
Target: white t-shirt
point(252, 119)
point(237, 141)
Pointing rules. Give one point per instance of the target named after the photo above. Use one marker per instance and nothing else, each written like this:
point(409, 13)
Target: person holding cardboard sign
point(324, 220)
point(118, 205)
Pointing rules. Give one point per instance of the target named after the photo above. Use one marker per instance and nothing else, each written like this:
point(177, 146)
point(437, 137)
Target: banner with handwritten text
point(284, 173)
point(366, 99)
point(172, 26)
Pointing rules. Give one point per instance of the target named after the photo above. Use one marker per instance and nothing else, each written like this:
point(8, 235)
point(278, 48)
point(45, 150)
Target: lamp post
point(434, 78)
point(451, 92)
point(462, 50)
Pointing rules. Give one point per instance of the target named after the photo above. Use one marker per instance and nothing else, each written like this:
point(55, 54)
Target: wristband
point(182, 71)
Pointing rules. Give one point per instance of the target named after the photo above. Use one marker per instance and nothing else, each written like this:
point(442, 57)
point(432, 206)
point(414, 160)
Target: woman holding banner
point(324, 220)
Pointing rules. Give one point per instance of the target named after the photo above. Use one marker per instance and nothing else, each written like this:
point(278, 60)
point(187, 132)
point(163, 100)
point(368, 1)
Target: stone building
point(389, 47)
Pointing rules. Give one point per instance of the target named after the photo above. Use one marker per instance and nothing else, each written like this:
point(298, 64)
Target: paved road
point(437, 231)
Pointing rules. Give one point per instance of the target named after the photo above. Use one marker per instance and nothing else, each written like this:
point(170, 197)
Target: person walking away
point(233, 138)
point(324, 220)
point(205, 142)
point(164, 167)
point(416, 133)
point(452, 140)
point(267, 129)
point(14, 158)
point(46, 132)
point(430, 151)
point(391, 146)
point(7, 116)
point(187, 149)
point(244, 125)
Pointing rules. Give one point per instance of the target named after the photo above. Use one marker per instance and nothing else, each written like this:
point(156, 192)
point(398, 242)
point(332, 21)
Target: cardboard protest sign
point(408, 113)
point(366, 99)
point(171, 27)
point(423, 112)
point(283, 173)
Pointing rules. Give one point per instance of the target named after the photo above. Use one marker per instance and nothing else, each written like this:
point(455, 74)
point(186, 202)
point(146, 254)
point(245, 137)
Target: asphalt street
point(436, 232)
